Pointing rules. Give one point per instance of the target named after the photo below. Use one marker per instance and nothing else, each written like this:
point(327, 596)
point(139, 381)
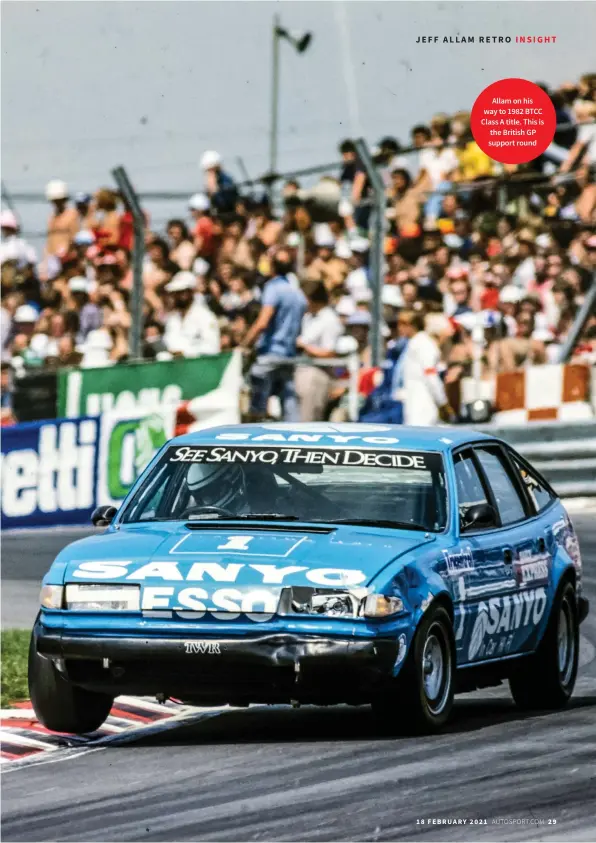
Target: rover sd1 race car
point(316, 564)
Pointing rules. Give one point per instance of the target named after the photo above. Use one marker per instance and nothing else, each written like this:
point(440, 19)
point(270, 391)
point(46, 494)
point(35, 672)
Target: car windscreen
point(348, 485)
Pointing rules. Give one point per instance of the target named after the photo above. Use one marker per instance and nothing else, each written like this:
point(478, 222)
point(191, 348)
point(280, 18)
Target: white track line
point(17, 714)
point(22, 740)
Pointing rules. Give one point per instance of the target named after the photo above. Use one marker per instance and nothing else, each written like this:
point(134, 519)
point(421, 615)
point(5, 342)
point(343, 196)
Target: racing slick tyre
point(60, 706)
point(546, 679)
point(421, 698)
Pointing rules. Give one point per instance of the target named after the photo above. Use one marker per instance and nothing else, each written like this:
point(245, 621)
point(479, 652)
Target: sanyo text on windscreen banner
point(306, 456)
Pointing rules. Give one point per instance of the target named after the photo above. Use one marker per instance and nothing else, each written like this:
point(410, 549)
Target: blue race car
point(316, 564)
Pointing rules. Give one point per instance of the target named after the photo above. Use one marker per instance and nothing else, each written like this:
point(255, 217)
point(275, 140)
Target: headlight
point(51, 596)
point(331, 602)
point(89, 597)
point(336, 603)
point(380, 606)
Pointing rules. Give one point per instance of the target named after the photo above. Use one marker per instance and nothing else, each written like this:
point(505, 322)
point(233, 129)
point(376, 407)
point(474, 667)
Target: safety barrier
point(550, 392)
point(565, 453)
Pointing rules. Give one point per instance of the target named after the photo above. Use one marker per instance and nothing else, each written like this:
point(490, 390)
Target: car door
point(510, 593)
point(465, 564)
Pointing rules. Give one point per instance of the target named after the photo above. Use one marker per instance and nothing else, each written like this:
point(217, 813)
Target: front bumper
point(270, 668)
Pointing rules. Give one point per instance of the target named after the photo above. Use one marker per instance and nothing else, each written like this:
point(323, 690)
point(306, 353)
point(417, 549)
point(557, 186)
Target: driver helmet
point(216, 485)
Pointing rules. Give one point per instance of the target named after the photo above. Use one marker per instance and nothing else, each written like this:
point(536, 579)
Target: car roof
point(395, 436)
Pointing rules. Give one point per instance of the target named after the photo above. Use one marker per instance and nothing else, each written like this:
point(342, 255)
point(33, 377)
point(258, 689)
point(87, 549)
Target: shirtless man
point(63, 223)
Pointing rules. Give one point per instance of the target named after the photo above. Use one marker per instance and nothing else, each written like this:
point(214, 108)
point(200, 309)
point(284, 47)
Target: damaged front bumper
point(268, 668)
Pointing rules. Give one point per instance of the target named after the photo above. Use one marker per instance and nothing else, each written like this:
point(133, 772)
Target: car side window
point(507, 498)
point(539, 494)
point(469, 486)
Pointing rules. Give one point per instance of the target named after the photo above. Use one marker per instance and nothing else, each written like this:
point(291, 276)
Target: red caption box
point(513, 121)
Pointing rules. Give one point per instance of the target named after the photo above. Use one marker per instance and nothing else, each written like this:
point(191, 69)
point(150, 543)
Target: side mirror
point(480, 516)
point(102, 516)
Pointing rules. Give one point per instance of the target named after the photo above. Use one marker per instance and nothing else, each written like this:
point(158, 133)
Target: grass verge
point(15, 650)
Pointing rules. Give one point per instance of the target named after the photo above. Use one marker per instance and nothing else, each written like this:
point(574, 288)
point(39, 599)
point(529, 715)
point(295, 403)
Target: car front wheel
point(547, 678)
point(59, 705)
point(421, 698)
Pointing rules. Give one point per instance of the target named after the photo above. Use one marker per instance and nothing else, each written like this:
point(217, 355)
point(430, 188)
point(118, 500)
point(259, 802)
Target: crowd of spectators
point(470, 245)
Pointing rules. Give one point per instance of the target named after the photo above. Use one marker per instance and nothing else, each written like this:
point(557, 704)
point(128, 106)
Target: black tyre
point(60, 706)
point(421, 699)
point(547, 678)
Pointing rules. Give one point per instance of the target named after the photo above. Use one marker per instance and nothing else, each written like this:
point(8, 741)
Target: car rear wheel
point(59, 705)
point(547, 678)
point(421, 698)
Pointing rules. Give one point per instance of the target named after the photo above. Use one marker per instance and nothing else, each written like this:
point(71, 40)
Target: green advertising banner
point(213, 381)
point(126, 445)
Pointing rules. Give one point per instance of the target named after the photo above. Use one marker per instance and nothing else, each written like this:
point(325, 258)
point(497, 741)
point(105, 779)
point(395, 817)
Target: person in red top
point(127, 229)
point(204, 235)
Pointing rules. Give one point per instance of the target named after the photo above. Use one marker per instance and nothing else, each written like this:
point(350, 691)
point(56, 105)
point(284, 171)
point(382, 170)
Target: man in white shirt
point(13, 247)
point(437, 166)
point(190, 325)
point(424, 398)
point(321, 329)
point(358, 277)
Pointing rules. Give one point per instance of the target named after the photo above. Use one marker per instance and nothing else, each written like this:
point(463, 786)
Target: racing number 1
point(236, 543)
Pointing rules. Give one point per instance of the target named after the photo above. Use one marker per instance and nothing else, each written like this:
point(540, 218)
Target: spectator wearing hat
point(274, 333)
point(509, 299)
point(190, 328)
point(359, 277)
point(97, 349)
point(424, 397)
point(327, 265)
point(220, 186)
point(25, 317)
point(83, 204)
point(83, 240)
point(63, 223)
point(203, 232)
point(89, 313)
point(358, 326)
point(14, 249)
point(321, 329)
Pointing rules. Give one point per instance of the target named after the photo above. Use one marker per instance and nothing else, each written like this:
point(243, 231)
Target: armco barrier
point(564, 453)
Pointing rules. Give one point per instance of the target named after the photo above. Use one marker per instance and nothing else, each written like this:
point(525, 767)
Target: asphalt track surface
point(322, 774)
